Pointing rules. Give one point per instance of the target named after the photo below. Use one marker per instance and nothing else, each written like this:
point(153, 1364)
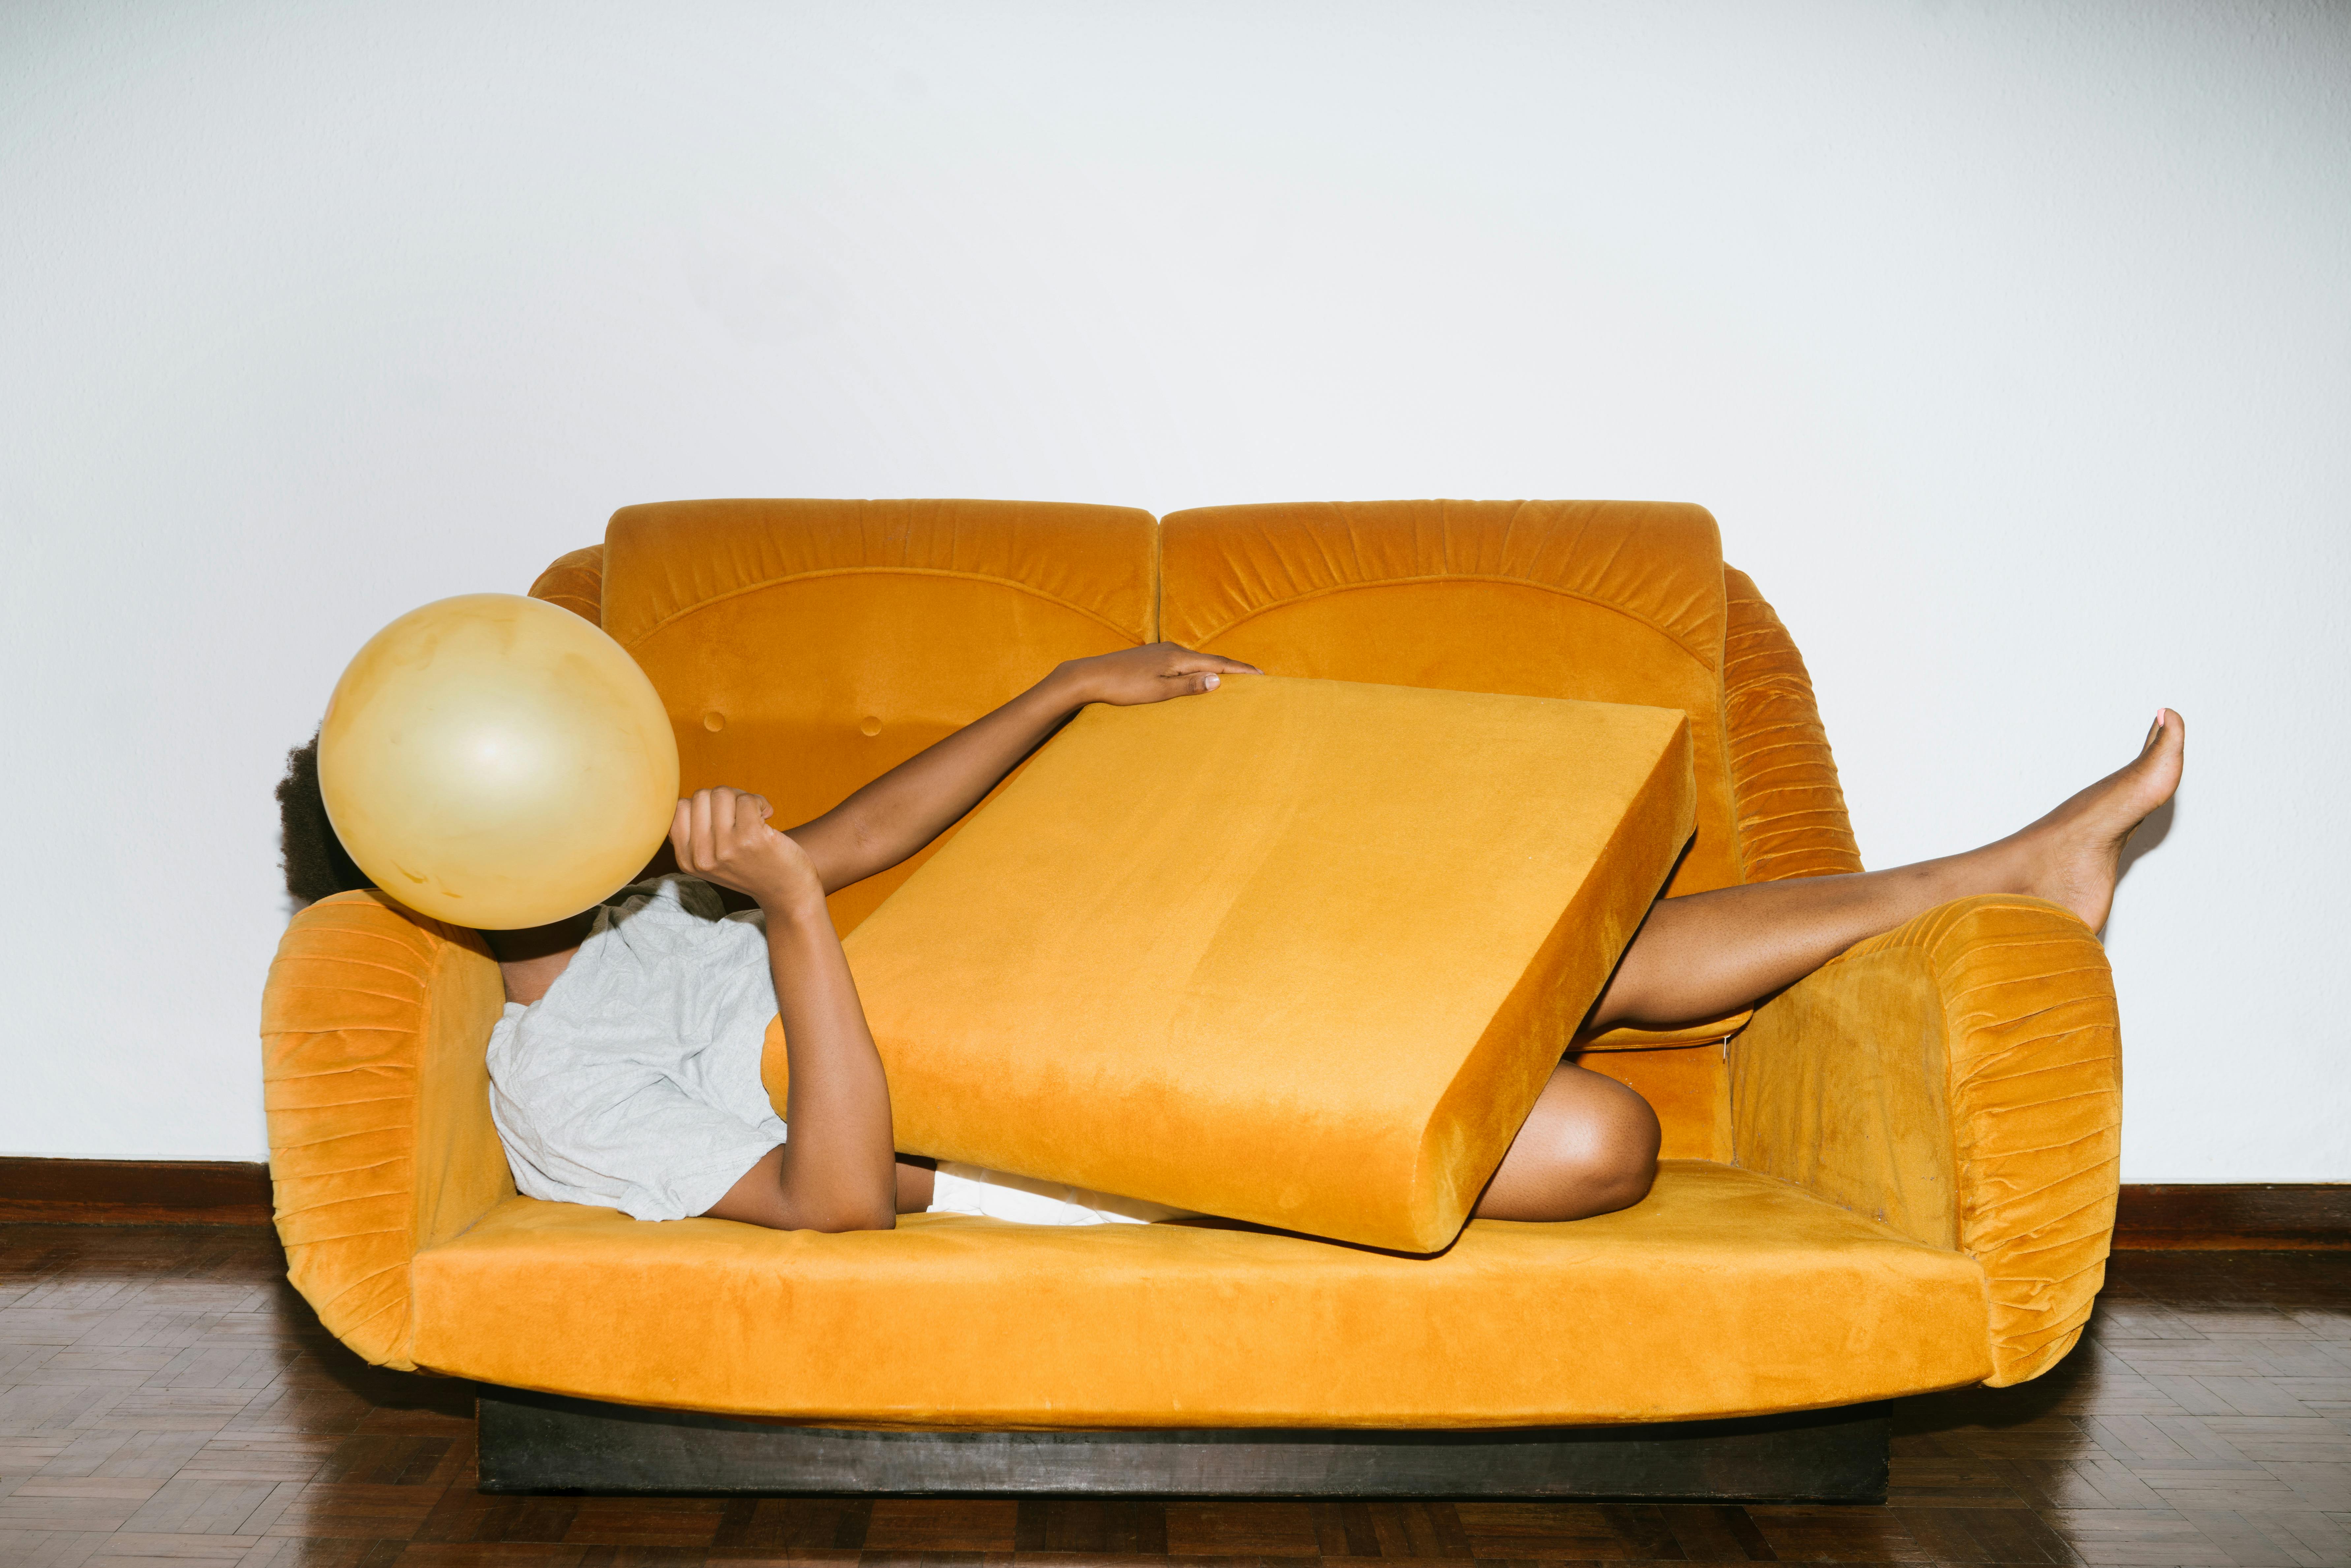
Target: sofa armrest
point(372, 1026)
point(576, 582)
point(1959, 1078)
point(1783, 778)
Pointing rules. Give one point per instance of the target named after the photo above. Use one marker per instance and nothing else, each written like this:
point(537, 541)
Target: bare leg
point(1714, 953)
point(1590, 1145)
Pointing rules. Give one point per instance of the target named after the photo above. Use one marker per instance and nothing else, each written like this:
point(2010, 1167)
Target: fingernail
point(1208, 684)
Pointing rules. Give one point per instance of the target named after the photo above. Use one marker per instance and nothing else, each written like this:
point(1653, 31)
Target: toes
point(2167, 734)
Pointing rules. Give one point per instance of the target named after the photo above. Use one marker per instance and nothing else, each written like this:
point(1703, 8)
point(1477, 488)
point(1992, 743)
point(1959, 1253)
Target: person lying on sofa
point(635, 1083)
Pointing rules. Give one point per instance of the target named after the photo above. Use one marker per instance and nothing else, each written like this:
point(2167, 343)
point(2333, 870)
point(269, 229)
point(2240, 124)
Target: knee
point(1615, 1163)
point(1595, 1153)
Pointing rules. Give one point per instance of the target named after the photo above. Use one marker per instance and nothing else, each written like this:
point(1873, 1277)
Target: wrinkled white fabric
point(634, 1084)
point(971, 1190)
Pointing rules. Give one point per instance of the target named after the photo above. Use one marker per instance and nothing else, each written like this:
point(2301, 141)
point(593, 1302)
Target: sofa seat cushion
point(1724, 1293)
point(1301, 953)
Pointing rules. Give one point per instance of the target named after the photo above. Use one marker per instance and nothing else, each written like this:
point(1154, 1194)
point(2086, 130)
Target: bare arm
point(839, 1170)
point(915, 801)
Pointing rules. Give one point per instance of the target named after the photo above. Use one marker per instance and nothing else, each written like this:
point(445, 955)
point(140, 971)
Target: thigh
point(1590, 1145)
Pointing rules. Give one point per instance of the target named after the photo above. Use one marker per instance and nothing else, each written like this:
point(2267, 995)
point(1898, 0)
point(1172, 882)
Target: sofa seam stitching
point(1635, 615)
point(677, 615)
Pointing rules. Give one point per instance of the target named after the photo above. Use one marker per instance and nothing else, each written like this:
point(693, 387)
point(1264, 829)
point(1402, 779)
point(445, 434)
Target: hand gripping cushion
point(1296, 951)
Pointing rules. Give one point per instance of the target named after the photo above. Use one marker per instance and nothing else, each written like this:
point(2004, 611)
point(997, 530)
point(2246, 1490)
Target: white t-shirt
point(634, 1084)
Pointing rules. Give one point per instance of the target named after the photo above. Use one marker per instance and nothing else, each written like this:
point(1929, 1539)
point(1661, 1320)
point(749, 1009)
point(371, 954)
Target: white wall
point(2011, 344)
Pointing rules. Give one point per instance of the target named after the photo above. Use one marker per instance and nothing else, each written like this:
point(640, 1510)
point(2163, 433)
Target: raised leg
point(1590, 1145)
point(1714, 953)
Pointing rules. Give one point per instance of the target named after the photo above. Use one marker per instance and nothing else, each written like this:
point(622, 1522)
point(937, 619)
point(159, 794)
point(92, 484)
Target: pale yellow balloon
point(493, 761)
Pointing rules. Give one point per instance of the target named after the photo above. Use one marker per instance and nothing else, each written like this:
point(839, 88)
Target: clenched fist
point(722, 835)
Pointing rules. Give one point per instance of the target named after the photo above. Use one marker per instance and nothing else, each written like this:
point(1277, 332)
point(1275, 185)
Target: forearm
point(894, 816)
point(838, 1171)
point(914, 803)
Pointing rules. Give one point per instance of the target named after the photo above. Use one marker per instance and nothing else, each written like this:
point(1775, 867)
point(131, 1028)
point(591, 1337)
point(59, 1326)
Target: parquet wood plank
point(273, 1457)
point(287, 1551)
point(1585, 1532)
point(49, 1549)
point(1808, 1534)
point(81, 1503)
point(768, 1529)
point(2325, 1536)
point(1414, 1529)
point(355, 1512)
point(2264, 1441)
point(147, 1549)
point(1712, 1533)
point(200, 1506)
point(1102, 1526)
point(2014, 1535)
point(460, 1515)
point(161, 1455)
point(1944, 1535)
point(2241, 1536)
point(2324, 1486)
point(466, 1555)
point(2133, 1538)
point(1235, 1528)
point(645, 1522)
point(277, 1500)
point(922, 1525)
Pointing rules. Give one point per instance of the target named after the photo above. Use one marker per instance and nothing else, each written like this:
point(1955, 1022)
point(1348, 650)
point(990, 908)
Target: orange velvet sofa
point(1898, 1176)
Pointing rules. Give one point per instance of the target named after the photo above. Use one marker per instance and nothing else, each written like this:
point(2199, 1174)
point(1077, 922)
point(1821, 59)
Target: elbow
point(837, 1219)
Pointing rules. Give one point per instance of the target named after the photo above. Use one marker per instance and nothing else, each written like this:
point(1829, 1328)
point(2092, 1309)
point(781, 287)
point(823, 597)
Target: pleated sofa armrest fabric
point(1958, 1078)
point(373, 1028)
point(575, 582)
point(1783, 782)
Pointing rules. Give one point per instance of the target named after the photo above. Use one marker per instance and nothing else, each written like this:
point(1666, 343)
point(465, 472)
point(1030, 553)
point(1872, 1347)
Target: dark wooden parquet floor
point(166, 1400)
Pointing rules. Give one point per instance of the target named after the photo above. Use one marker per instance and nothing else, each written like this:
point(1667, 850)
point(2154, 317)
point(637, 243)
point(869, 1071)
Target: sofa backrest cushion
point(1618, 601)
point(805, 647)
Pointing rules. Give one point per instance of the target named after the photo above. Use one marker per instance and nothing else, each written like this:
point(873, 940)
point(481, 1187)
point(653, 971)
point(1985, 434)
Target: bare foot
point(2073, 856)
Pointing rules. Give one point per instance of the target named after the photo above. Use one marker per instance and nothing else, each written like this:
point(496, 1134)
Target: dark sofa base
point(542, 1443)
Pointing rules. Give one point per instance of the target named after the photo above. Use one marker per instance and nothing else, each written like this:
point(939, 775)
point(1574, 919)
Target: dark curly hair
point(316, 863)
